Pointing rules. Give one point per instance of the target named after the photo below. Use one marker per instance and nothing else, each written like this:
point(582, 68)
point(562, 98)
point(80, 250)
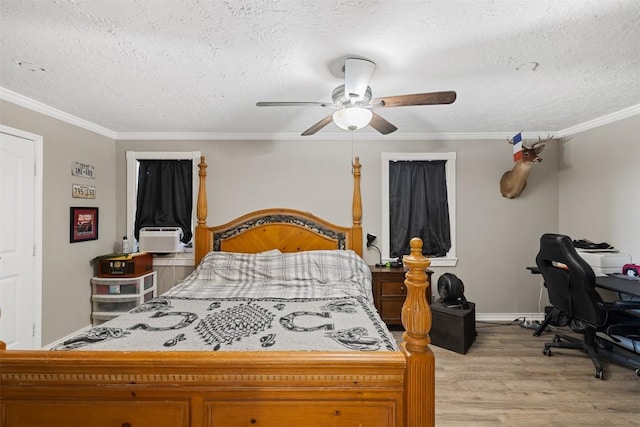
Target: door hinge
point(33, 330)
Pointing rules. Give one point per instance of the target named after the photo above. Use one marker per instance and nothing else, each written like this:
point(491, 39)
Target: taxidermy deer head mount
point(514, 181)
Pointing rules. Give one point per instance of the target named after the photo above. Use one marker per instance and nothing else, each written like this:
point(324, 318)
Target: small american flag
point(517, 147)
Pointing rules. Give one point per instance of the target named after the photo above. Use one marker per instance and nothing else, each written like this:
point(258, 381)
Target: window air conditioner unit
point(160, 240)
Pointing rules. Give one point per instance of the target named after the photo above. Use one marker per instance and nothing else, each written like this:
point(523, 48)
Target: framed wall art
point(83, 224)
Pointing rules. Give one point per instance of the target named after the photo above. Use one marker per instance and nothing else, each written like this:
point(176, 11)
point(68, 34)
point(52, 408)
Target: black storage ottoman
point(453, 328)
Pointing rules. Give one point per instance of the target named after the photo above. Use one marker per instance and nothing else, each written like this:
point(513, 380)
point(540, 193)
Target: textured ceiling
point(200, 66)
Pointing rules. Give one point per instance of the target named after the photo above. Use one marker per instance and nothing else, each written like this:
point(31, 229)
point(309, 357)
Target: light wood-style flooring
point(505, 380)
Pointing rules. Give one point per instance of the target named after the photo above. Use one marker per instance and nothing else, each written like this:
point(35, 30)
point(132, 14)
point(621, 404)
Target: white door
point(20, 300)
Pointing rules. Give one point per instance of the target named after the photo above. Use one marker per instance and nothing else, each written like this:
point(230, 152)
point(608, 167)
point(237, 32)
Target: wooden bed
point(227, 389)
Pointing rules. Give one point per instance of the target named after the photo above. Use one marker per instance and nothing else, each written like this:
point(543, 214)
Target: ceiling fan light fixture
point(352, 118)
point(357, 74)
point(353, 101)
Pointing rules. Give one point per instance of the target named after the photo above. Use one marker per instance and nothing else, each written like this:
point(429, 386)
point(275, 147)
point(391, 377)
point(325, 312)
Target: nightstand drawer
point(390, 292)
point(391, 310)
point(393, 288)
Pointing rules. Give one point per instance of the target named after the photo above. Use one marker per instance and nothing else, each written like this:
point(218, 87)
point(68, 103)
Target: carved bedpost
point(416, 319)
point(201, 212)
point(356, 208)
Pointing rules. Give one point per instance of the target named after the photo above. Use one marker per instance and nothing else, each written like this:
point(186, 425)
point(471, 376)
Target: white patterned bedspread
point(317, 300)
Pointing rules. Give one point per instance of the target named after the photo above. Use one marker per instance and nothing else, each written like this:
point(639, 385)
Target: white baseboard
point(63, 339)
point(508, 317)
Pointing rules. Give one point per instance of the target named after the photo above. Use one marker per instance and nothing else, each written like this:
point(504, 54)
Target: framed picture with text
point(83, 224)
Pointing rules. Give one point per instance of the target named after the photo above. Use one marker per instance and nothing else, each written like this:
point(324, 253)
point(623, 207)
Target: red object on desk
point(633, 268)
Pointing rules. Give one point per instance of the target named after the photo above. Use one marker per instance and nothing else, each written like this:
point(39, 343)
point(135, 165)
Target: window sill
point(443, 262)
point(185, 259)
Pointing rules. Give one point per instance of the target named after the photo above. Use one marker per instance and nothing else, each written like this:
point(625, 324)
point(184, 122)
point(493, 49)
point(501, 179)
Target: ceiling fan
point(354, 104)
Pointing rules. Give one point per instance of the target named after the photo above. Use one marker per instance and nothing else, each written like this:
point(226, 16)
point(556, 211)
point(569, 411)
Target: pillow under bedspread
point(309, 274)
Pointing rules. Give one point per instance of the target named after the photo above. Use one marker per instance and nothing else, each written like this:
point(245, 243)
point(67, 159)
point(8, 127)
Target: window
point(133, 158)
point(165, 196)
point(434, 239)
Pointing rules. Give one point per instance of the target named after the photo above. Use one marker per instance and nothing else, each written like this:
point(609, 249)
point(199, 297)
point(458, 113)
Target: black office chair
point(570, 282)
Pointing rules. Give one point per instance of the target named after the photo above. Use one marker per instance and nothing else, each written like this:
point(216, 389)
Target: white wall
point(599, 192)
point(66, 268)
point(497, 238)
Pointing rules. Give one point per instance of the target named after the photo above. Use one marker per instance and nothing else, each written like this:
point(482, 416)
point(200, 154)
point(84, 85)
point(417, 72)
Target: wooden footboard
point(201, 389)
point(156, 389)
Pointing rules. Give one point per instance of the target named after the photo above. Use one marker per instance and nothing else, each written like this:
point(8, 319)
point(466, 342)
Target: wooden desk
point(612, 283)
point(619, 285)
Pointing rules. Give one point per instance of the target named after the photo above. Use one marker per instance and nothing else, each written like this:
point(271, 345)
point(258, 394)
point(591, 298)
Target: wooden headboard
point(288, 230)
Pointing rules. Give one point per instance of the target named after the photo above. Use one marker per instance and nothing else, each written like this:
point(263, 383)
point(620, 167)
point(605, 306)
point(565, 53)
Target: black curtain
point(165, 195)
point(418, 207)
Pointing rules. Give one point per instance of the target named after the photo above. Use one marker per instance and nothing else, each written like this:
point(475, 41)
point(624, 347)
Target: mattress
point(305, 301)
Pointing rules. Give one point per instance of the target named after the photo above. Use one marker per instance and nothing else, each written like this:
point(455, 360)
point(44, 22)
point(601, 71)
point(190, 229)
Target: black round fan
point(451, 290)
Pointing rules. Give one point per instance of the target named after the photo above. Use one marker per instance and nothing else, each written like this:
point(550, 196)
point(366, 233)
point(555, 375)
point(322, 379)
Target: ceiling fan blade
point(293, 104)
point(431, 98)
point(381, 124)
point(315, 128)
point(357, 74)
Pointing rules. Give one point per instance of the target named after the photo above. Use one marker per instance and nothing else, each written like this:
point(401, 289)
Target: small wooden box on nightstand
point(389, 292)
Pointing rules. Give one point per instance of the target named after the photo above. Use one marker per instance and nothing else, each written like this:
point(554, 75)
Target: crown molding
point(336, 136)
point(601, 121)
point(339, 136)
point(39, 107)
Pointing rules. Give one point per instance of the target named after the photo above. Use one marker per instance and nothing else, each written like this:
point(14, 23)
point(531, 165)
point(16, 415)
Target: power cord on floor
point(534, 324)
point(520, 321)
point(530, 324)
point(494, 324)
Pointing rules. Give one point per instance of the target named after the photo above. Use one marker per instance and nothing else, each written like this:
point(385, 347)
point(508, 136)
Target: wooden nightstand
point(389, 292)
